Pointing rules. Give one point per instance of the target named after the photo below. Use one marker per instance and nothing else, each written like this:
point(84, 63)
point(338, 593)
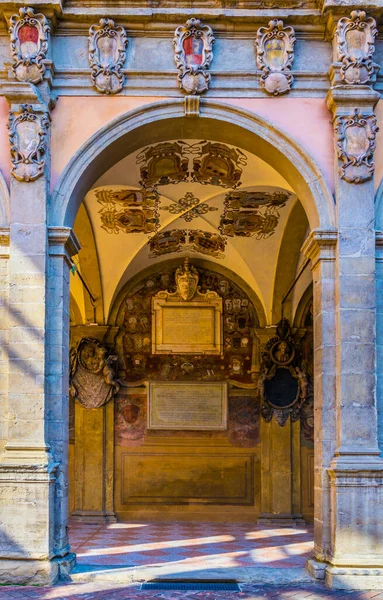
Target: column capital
point(320, 245)
point(4, 242)
point(63, 242)
point(344, 99)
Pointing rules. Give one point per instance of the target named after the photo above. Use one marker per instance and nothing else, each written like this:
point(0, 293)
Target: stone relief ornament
point(29, 34)
point(275, 56)
point(355, 145)
point(107, 53)
point(192, 240)
point(186, 280)
point(193, 53)
point(92, 373)
point(190, 206)
point(248, 214)
point(130, 211)
point(283, 382)
point(28, 132)
point(355, 47)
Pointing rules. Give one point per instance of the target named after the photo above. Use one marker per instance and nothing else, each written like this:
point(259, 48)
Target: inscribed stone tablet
point(194, 406)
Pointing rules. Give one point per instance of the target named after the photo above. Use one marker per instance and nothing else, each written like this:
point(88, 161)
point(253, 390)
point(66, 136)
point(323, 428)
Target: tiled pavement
point(184, 548)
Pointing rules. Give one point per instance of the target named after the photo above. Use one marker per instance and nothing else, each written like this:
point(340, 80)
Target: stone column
point(4, 333)
point(31, 473)
point(356, 473)
point(320, 248)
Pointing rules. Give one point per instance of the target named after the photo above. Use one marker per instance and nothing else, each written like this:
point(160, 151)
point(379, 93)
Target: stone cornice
point(63, 242)
point(345, 98)
point(320, 245)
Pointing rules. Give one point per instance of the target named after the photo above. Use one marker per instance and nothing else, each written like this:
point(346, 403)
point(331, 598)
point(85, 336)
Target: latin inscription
point(188, 406)
point(185, 326)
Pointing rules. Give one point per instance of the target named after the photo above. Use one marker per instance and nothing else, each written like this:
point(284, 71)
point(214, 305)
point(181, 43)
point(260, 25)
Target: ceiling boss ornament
point(193, 54)
point(29, 34)
point(28, 132)
point(355, 39)
point(355, 145)
point(275, 56)
point(190, 206)
point(107, 52)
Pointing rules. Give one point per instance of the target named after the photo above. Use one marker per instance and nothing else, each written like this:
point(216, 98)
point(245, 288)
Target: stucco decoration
point(130, 211)
point(283, 381)
point(92, 373)
point(355, 145)
point(192, 240)
point(190, 206)
point(355, 47)
point(275, 56)
point(248, 214)
point(28, 132)
point(193, 53)
point(29, 35)
point(107, 53)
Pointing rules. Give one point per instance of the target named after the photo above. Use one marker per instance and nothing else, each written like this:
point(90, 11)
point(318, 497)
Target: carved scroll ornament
point(29, 44)
point(107, 52)
point(28, 131)
point(275, 56)
point(283, 382)
point(355, 47)
point(355, 145)
point(193, 45)
point(92, 373)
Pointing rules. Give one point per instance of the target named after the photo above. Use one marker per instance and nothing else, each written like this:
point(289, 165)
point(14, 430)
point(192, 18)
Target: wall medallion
point(29, 35)
point(275, 56)
point(283, 381)
point(190, 206)
point(192, 240)
point(355, 47)
point(92, 373)
point(193, 54)
point(248, 214)
point(355, 145)
point(107, 52)
point(28, 132)
point(130, 211)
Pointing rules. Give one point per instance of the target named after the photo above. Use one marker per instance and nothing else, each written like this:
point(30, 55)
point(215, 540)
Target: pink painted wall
point(5, 162)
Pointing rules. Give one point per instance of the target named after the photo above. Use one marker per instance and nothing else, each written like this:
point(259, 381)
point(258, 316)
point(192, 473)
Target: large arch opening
point(116, 456)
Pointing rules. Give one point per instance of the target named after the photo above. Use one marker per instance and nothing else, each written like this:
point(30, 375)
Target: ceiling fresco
point(191, 198)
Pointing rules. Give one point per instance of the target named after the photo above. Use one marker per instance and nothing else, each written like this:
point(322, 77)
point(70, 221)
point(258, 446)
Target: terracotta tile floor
point(189, 546)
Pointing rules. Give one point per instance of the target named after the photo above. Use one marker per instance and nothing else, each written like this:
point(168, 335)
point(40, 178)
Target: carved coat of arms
point(92, 374)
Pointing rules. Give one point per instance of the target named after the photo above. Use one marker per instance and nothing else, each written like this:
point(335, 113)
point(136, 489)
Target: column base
point(28, 572)
point(280, 520)
point(349, 578)
point(66, 564)
point(94, 516)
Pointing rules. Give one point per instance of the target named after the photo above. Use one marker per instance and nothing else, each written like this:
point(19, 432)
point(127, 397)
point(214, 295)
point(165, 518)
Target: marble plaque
point(193, 406)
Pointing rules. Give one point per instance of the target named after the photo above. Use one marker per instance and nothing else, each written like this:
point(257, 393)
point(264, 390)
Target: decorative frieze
point(275, 56)
point(29, 35)
point(193, 54)
point(28, 133)
point(355, 145)
point(355, 38)
point(107, 53)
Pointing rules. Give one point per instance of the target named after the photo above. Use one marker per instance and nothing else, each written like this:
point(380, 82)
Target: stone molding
point(63, 243)
point(320, 245)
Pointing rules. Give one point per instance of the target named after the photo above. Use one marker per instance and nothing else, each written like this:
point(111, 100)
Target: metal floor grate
point(197, 586)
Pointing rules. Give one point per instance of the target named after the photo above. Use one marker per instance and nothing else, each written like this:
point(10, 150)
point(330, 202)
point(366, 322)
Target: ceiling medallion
point(130, 211)
point(192, 240)
point(191, 205)
point(248, 214)
point(208, 163)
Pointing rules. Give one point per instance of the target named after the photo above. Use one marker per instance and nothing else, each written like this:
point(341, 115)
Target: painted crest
point(107, 52)
point(129, 211)
point(163, 164)
point(28, 131)
point(29, 35)
point(355, 144)
point(275, 56)
point(186, 280)
point(92, 374)
point(355, 47)
point(193, 45)
point(283, 382)
point(166, 242)
point(218, 164)
point(248, 214)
